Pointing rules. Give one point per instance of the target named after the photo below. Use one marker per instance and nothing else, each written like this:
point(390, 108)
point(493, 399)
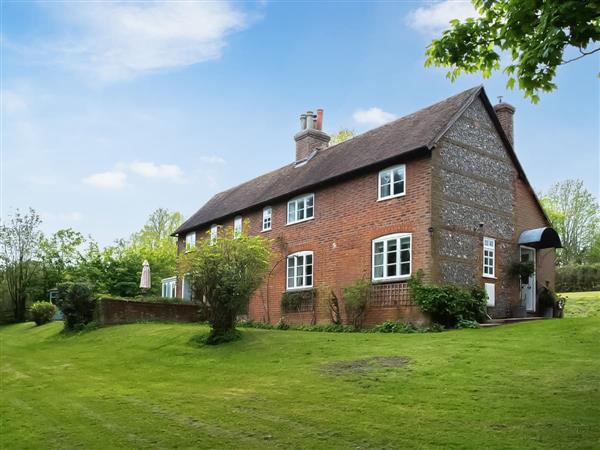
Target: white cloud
point(73, 216)
point(107, 180)
point(373, 116)
point(151, 170)
point(436, 17)
point(118, 40)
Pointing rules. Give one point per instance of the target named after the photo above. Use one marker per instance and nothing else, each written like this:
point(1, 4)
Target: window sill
point(300, 289)
point(390, 280)
point(390, 197)
point(490, 277)
point(299, 221)
point(267, 230)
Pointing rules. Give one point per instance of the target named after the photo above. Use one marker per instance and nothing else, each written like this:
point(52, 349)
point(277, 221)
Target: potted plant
point(547, 301)
point(521, 269)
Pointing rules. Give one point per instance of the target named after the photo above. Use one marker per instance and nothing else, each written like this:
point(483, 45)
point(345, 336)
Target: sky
point(111, 110)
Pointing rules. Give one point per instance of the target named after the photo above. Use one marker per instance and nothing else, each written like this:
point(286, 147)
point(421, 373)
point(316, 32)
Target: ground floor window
point(300, 270)
point(169, 287)
point(392, 255)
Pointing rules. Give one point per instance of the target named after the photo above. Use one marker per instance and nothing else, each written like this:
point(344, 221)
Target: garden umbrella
point(145, 279)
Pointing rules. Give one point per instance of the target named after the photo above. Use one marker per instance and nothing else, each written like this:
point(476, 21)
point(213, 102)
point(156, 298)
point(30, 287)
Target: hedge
point(585, 277)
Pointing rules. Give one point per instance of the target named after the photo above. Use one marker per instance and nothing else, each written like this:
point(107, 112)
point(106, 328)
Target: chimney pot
point(319, 119)
point(505, 113)
point(310, 136)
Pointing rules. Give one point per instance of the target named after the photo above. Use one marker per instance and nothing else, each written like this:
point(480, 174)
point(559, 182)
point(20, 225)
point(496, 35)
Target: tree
point(59, 254)
point(575, 215)
point(158, 228)
point(225, 272)
point(341, 135)
point(535, 33)
point(19, 240)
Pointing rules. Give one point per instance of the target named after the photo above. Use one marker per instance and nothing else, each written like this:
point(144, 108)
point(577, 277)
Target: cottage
point(440, 190)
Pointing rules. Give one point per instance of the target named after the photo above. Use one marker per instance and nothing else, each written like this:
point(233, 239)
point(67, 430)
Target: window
point(190, 240)
point(301, 209)
point(300, 270)
point(237, 227)
point(490, 292)
point(214, 230)
point(186, 288)
point(489, 260)
point(392, 256)
point(392, 182)
point(169, 286)
point(267, 212)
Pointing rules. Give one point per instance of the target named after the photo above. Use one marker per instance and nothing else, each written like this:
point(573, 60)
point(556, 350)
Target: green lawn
point(582, 304)
point(532, 385)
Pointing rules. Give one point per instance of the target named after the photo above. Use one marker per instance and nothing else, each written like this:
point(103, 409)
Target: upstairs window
point(392, 255)
point(214, 230)
point(392, 182)
point(237, 227)
point(489, 257)
point(300, 270)
point(266, 223)
point(190, 240)
point(301, 209)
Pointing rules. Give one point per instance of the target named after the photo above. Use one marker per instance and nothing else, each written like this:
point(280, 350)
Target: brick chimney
point(505, 113)
point(311, 135)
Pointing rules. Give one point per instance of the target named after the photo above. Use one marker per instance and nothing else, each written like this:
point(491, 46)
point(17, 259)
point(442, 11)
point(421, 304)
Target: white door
point(528, 287)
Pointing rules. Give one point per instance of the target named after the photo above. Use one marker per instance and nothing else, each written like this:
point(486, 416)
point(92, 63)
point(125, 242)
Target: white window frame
point(238, 224)
point(393, 194)
point(398, 237)
point(169, 287)
point(214, 233)
point(267, 221)
point(489, 253)
point(295, 201)
point(294, 286)
point(190, 241)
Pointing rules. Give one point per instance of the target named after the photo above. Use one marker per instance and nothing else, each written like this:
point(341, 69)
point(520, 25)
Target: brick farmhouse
point(439, 191)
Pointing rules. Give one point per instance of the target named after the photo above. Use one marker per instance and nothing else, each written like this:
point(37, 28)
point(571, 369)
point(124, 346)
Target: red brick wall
point(528, 215)
point(111, 312)
point(347, 218)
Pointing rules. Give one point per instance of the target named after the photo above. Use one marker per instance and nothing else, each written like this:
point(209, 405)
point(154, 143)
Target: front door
point(528, 285)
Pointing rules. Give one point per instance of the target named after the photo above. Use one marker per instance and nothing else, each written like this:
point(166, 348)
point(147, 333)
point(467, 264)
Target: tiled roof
point(417, 131)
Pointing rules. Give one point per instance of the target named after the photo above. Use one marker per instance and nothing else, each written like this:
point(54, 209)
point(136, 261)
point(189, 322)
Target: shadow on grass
point(212, 339)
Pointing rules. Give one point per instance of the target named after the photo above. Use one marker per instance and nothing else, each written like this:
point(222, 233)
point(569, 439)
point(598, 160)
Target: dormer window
point(190, 240)
point(392, 182)
point(301, 208)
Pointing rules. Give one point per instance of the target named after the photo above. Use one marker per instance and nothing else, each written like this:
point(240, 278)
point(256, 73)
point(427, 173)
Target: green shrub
point(77, 304)
point(577, 278)
point(42, 312)
point(390, 326)
point(462, 323)
point(547, 298)
point(356, 297)
point(292, 301)
point(255, 324)
point(282, 324)
point(448, 304)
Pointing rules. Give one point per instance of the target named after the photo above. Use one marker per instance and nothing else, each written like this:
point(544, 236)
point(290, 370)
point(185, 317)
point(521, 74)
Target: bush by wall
point(356, 297)
point(41, 312)
point(448, 304)
point(584, 277)
point(77, 304)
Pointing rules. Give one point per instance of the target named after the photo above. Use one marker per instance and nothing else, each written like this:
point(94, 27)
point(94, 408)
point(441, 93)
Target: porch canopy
point(540, 238)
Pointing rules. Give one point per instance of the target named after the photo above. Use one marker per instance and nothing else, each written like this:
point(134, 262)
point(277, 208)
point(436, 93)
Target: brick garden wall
point(111, 312)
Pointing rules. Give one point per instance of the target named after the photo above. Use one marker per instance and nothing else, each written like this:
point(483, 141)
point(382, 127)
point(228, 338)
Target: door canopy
point(540, 238)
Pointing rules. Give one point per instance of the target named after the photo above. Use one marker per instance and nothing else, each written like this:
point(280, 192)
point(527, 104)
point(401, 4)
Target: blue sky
point(111, 110)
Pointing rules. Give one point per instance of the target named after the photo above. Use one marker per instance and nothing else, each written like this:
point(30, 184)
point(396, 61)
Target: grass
point(582, 304)
point(531, 385)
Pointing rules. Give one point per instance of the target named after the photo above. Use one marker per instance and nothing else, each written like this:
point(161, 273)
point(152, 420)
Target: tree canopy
point(534, 34)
